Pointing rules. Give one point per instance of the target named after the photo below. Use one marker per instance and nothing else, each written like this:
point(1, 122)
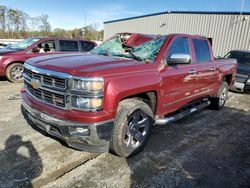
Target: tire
point(132, 127)
point(14, 72)
point(219, 100)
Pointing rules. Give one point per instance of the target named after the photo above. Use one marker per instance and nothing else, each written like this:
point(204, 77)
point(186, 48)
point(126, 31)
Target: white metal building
point(228, 30)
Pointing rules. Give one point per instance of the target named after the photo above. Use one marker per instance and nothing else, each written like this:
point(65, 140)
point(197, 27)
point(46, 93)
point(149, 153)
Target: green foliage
point(18, 24)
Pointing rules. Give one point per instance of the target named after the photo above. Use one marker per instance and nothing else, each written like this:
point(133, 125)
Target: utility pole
point(242, 6)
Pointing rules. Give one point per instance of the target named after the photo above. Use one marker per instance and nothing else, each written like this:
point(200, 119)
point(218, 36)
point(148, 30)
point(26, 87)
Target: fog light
point(79, 131)
point(82, 130)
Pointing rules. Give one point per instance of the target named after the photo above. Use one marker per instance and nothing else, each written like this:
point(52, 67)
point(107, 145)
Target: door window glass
point(69, 46)
point(202, 51)
point(47, 46)
point(179, 46)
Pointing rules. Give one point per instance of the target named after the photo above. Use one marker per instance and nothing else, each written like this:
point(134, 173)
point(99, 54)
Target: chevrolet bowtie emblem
point(35, 84)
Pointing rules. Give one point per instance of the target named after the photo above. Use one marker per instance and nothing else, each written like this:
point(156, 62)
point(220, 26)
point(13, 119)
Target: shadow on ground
point(20, 163)
point(207, 149)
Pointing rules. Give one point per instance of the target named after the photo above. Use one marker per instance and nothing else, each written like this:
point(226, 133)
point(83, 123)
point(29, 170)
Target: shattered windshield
point(146, 51)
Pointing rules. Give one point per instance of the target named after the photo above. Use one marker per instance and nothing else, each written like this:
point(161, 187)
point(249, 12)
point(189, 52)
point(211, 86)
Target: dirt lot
point(207, 149)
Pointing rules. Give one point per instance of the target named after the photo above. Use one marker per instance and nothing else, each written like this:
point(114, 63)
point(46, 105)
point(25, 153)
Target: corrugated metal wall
point(229, 31)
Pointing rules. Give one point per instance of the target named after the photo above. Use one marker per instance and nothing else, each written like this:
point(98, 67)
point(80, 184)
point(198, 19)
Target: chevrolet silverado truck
point(13, 56)
point(110, 98)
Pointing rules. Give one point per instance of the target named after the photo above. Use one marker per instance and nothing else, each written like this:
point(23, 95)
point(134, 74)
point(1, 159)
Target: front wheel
point(133, 124)
point(14, 72)
point(219, 100)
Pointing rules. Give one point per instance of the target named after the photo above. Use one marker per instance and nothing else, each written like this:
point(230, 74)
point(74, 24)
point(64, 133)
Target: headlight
point(87, 84)
point(84, 103)
point(248, 81)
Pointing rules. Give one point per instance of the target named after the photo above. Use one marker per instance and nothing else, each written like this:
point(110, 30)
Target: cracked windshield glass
point(145, 52)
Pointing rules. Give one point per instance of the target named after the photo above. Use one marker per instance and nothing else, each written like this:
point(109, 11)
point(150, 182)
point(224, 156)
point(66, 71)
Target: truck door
point(179, 79)
point(205, 67)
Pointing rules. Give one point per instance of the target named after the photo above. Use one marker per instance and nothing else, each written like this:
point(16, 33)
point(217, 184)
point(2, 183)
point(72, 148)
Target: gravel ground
point(207, 149)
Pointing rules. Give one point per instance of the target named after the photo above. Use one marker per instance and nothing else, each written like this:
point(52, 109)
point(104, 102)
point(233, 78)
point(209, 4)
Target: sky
point(70, 14)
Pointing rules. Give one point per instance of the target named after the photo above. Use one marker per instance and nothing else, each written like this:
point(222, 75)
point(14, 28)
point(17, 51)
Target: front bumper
point(237, 86)
point(96, 139)
point(240, 87)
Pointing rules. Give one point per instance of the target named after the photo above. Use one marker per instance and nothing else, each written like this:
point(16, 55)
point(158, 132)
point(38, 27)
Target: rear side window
point(69, 46)
point(179, 46)
point(87, 46)
point(202, 51)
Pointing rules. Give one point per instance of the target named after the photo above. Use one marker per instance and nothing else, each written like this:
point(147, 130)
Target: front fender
point(128, 85)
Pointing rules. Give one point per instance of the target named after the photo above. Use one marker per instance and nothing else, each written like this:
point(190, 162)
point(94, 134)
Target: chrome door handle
point(192, 72)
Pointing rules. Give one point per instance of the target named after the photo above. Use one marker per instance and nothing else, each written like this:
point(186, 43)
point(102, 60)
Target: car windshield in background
point(241, 57)
point(23, 44)
point(146, 52)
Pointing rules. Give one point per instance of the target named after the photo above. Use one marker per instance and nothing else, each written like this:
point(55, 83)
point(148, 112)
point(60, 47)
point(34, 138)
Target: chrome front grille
point(46, 96)
point(241, 78)
point(49, 81)
point(47, 86)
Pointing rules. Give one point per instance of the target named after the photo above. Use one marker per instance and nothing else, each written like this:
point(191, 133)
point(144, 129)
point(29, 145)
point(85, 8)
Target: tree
point(3, 10)
point(34, 23)
point(45, 25)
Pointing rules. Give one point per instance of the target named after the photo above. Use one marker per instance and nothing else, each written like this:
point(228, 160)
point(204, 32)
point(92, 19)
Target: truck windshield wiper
point(135, 56)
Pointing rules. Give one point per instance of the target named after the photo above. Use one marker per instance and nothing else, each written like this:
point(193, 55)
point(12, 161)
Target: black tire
point(132, 127)
point(14, 72)
point(219, 100)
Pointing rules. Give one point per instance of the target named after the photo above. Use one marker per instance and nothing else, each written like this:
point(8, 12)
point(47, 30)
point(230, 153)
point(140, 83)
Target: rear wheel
point(219, 100)
point(132, 128)
point(14, 72)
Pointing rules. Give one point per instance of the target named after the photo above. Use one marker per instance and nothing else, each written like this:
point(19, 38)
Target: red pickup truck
point(110, 98)
point(12, 57)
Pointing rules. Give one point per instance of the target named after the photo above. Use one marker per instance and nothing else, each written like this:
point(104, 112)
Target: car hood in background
point(8, 50)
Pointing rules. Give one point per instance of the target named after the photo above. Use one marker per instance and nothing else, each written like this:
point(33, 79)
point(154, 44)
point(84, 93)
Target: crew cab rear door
point(69, 46)
point(179, 80)
point(205, 67)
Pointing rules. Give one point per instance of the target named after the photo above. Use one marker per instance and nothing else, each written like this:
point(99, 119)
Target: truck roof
point(60, 38)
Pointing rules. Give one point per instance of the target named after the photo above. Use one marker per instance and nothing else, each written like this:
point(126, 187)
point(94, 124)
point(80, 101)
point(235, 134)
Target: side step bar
point(192, 109)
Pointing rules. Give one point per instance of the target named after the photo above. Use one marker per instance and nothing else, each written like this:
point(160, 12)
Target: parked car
point(242, 78)
point(111, 97)
point(2, 45)
point(13, 56)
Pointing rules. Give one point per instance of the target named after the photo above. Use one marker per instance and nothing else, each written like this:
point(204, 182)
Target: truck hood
point(243, 69)
point(79, 64)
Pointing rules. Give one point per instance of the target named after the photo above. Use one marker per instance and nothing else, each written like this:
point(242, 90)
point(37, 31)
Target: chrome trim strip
point(46, 72)
point(59, 74)
point(197, 94)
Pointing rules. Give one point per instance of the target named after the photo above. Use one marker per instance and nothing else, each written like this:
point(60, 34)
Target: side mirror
point(179, 59)
point(35, 49)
